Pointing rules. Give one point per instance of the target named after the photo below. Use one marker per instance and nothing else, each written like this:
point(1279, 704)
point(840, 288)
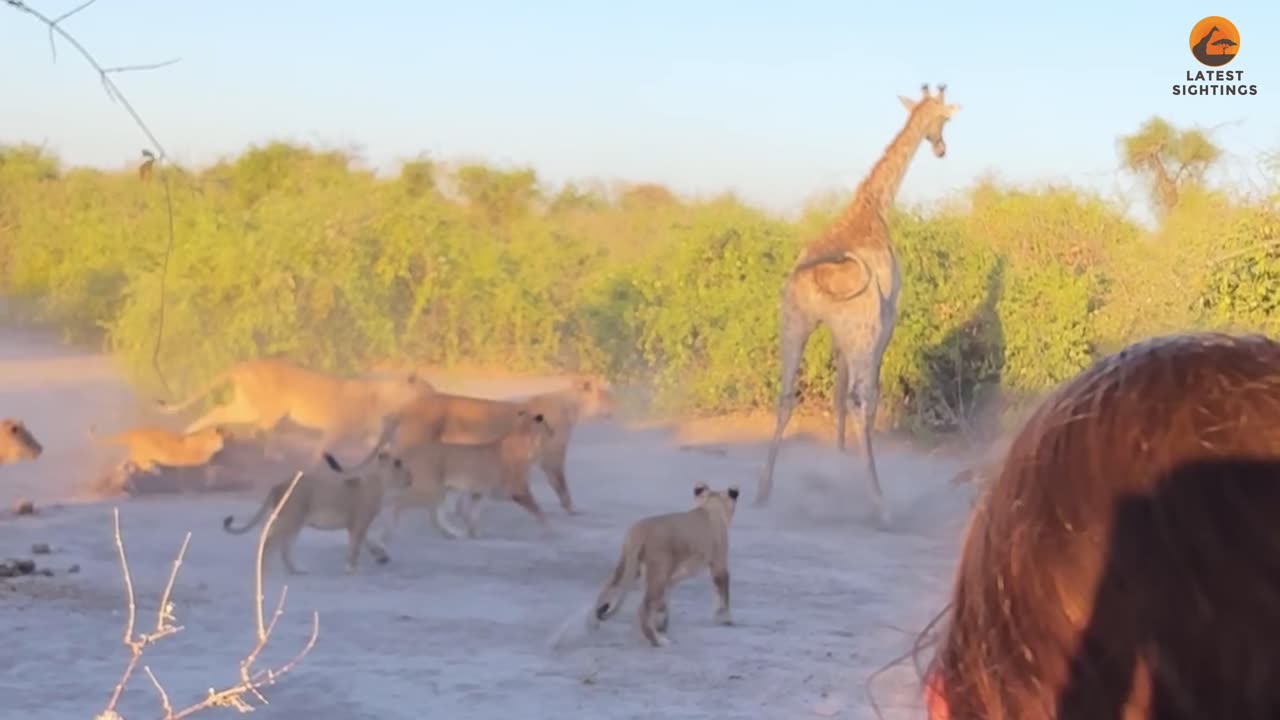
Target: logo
point(1215, 41)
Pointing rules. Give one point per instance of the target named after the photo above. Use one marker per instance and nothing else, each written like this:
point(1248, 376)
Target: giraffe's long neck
point(1203, 45)
point(879, 188)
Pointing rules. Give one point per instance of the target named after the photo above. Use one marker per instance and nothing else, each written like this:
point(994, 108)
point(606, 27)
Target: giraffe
point(1201, 49)
point(848, 279)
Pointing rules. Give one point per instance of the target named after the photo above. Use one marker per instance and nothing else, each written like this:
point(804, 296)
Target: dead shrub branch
point(153, 157)
point(250, 681)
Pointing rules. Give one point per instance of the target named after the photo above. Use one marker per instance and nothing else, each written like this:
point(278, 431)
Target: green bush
point(296, 253)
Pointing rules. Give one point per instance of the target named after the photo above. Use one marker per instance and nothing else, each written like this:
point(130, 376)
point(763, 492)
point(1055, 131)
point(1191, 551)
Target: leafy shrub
point(291, 252)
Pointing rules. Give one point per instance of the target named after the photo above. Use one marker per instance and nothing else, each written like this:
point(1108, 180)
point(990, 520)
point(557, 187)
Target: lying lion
point(442, 417)
point(331, 498)
point(268, 391)
point(496, 469)
point(669, 548)
point(149, 447)
point(17, 443)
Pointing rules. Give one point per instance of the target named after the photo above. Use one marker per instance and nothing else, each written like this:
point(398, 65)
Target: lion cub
point(496, 469)
point(148, 447)
point(331, 498)
point(669, 548)
point(17, 443)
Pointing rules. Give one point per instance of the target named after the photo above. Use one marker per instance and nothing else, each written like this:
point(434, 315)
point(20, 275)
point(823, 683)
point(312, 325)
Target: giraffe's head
point(934, 113)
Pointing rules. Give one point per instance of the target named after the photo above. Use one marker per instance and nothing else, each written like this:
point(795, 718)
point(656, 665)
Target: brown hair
point(1125, 561)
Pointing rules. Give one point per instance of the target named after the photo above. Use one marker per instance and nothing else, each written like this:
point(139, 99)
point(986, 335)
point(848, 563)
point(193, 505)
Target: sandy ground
point(458, 628)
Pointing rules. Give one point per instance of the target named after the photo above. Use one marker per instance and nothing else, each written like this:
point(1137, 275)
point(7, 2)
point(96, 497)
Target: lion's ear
point(699, 489)
point(538, 418)
point(733, 493)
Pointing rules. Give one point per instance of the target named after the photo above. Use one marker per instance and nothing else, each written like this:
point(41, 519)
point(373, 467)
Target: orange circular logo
point(1215, 41)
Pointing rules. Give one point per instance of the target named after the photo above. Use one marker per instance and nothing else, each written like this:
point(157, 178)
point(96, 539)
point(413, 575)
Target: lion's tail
point(611, 597)
point(583, 617)
point(208, 387)
point(270, 502)
point(610, 600)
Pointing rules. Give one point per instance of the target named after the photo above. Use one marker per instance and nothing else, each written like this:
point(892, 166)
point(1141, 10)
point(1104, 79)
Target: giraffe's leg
point(864, 392)
point(796, 327)
point(840, 397)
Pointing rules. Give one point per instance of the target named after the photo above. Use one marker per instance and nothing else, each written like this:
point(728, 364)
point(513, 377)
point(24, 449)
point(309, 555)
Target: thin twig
point(262, 544)
point(128, 626)
point(250, 682)
point(164, 613)
point(53, 46)
point(139, 68)
point(165, 705)
point(161, 156)
point(137, 643)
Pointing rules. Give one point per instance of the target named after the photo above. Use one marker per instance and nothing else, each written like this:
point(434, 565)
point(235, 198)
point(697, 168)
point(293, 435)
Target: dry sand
point(458, 629)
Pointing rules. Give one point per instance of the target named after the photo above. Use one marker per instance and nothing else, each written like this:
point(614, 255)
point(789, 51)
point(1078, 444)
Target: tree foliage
point(1169, 160)
point(291, 252)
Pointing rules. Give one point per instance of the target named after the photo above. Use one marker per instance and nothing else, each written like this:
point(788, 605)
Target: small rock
point(40, 549)
point(73, 569)
point(46, 572)
point(14, 567)
point(24, 507)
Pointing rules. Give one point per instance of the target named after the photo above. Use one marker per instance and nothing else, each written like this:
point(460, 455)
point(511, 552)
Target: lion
point(149, 447)
point(442, 417)
point(267, 391)
point(669, 548)
point(499, 468)
point(332, 498)
point(17, 443)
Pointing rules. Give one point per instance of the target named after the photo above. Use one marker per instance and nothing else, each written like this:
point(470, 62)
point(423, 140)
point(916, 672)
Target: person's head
point(1125, 561)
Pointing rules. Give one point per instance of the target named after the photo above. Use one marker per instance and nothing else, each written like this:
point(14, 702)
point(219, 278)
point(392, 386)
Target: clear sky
point(776, 100)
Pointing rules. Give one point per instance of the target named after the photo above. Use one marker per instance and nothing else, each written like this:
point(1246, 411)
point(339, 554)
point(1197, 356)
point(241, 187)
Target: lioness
point(461, 419)
point(17, 443)
point(499, 468)
point(670, 548)
point(268, 391)
point(148, 447)
point(331, 498)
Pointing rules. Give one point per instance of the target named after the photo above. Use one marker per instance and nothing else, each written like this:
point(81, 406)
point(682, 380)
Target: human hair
point(1125, 560)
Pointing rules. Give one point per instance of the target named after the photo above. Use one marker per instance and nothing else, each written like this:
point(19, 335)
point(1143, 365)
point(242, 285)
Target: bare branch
point(131, 608)
point(54, 26)
point(140, 68)
point(53, 46)
point(165, 705)
point(164, 613)
point(262, 543)
point(250, 681)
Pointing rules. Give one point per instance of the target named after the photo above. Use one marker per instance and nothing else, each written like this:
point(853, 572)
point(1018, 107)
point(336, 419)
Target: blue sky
point(774, 100)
